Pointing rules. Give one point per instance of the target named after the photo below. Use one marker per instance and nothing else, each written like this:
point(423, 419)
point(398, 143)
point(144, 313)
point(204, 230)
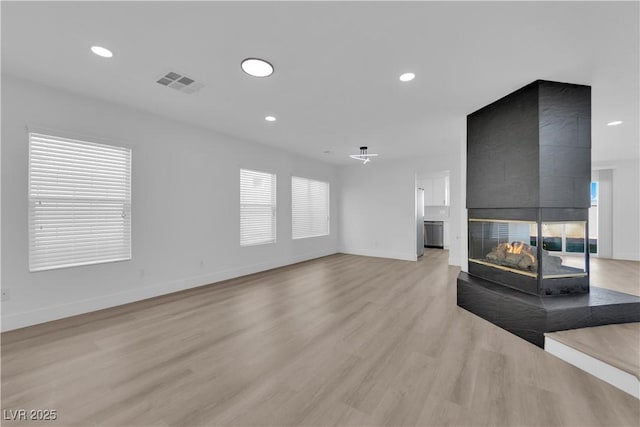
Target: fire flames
point(516, 255)
point(519, 248)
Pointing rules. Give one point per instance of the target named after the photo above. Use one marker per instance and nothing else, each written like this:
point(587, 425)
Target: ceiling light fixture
point(364, 157)
point(270, 118)
point(101, 51)
point(616, 123)
point(407, 77)
point(257, 67)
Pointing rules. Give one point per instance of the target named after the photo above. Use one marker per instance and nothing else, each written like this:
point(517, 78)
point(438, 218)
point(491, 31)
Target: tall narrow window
point(257, 207)
point(309, 208)
point(593, 218)
point(79, 202)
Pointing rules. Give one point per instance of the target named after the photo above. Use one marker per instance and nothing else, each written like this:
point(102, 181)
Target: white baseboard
point(610, 374)
point(627, 256)
point(381, 254)
point(47, 314)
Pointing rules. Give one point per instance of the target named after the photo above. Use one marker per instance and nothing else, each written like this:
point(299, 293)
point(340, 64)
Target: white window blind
point(79, 202)
point(309, 208)
point(257, 207)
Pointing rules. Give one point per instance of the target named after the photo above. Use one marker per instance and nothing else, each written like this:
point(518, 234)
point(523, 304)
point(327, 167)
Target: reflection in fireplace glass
point(568, 238)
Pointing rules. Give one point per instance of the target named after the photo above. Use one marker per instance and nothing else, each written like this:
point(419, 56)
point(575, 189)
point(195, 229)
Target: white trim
point(47, 314)
point(69, 134)
point(626, 256)
point(381, 254)
point(610, 374)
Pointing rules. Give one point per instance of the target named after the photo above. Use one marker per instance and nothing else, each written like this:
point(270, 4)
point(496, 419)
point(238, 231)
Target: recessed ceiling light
point(257, 67)
point(616, 123)
point(270, 118)
point(407, 77)
point(101, 51)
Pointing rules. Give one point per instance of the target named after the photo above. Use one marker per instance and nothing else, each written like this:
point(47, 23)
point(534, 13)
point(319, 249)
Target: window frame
point(328, 208)
point(77, 244)
point(274, 207)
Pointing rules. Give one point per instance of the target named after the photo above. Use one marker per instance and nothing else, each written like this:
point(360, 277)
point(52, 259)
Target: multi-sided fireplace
point(528, 178)
point(508, 252)
point(528, 195)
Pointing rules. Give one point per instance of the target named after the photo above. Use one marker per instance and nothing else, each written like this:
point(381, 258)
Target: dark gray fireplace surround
point(529, 167)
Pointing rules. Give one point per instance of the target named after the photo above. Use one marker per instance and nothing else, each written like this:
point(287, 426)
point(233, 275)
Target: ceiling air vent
point(180, 82)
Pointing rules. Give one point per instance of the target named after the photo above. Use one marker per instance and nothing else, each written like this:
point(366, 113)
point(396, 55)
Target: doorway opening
point(434, 192)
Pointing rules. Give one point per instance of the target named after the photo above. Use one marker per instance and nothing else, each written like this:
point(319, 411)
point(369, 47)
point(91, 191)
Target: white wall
point(377, 206)
point(185, 189)
point(186, 206)
point(377, 210)
point(602, 216)
point(377, 202)
point(625, 211)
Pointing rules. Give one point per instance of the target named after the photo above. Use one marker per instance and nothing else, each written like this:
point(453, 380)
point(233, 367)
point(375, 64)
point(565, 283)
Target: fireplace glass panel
point(506, 245)
point(563, 247)
point(552, 237)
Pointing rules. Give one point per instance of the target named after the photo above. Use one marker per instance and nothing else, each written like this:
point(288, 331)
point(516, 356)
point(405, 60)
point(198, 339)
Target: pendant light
point(363, 156)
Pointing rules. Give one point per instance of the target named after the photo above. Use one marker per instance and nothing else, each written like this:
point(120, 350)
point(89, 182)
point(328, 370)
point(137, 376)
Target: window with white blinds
point(257, 207)
point(79, 202)
point(309, 208)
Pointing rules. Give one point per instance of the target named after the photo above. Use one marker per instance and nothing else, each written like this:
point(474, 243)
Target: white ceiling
point(335, 85)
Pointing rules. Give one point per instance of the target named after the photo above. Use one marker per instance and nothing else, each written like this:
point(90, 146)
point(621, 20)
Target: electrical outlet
point(5, 294)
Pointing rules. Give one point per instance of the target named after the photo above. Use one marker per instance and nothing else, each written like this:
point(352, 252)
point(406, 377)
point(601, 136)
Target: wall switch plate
point(4, 295)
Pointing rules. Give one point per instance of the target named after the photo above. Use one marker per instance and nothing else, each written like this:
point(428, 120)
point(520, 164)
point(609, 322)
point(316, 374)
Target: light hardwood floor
point(616, 345)
point(618, 275)
point(341, 340)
